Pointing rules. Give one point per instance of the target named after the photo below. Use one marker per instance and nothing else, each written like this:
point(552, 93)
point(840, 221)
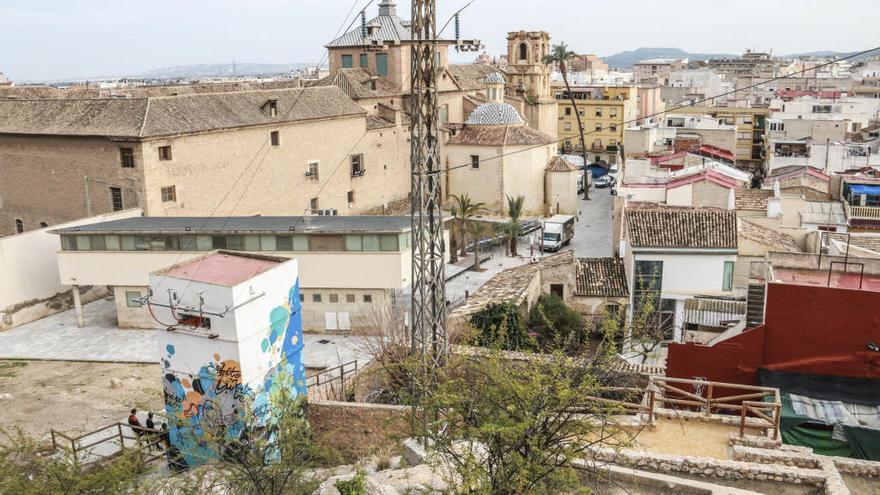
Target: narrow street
point(593, 232)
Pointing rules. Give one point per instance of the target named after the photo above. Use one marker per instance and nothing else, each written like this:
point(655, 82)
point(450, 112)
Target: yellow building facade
point(604, 112)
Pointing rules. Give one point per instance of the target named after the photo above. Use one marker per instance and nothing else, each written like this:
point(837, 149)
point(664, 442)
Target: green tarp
point(863, 443)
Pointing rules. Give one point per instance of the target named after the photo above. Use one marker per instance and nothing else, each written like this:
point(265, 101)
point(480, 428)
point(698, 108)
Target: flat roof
point(838, 280)
point(222, 268)
point(245, 225)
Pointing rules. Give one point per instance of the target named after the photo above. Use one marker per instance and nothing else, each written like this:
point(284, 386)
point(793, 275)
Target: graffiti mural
point(218, 399)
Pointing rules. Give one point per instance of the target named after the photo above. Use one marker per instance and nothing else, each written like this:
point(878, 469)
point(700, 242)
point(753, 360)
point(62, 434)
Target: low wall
point(356, 429)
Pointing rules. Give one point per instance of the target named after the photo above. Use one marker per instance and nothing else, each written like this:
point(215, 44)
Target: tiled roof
point(358, 83)
point(514, 135)
point(702, 228)
point(471, 77)
point(494, 114)
point(603, 277)
point(865, 241)
point(171, 115)
point(775, 240)
point(823, 212)
point(752, 199)
point(386, 27)
point(560, 164)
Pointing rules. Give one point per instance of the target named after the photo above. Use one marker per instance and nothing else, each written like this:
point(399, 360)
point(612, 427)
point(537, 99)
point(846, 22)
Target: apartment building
point(680, 132)
point(846, 114)
point(603, 111)
point(751, 128)
point(657, 70)
point(243, 153)
point(349, 267)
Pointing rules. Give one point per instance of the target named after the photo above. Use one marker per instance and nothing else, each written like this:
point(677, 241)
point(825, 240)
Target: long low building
point(349, 266)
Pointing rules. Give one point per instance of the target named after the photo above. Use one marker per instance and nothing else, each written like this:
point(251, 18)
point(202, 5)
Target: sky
point(58, 39)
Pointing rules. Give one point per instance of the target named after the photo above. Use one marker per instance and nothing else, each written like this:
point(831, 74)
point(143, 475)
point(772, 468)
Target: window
point(444, 114)
point(557, 289)
point(273, 108)
point(350, 196)
point(313, 205)
point(598, 127)
point(475, 161)
point(821, 108)
point(388, 242)
point(612, 128)
point(648, 276)
point(381, 64)
point(116, 198)
point(365, 60)
point(43, 225)
point(169, 194)
point(567, 110)
point(132, 299)
point(357, 165)
point(727, 284)
point(313, 170)
point(316, 298)
point(368, 298)
point(164, 153)
point(349, 298)
point(327, 243)
point(612, 112)
point(567, 126)
point(334, 298)
point(19, 226)
point(302, 297)
point(126, 157)
point(598, 112)
point(347, 62)
point(523, 51)
point(275, 138)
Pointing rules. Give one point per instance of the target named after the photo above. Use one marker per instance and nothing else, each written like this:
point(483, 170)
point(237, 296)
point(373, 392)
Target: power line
point(680, 107)
point(459, 11)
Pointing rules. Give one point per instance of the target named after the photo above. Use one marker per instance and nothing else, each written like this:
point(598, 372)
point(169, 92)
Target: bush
point(501, 326)
point(354, 486)
point(556, 325)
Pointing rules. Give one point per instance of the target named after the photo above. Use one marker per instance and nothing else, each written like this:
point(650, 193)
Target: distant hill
point(218, 70)
point(625, 60)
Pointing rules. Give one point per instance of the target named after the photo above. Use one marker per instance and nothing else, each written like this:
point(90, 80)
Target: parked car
point(605, 181)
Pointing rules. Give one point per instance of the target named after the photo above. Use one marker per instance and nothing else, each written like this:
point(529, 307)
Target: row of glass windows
point(284, 243)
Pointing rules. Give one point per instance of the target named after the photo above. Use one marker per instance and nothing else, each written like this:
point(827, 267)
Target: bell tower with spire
point(529, 79)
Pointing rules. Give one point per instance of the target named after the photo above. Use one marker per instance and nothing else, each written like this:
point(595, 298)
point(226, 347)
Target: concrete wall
point(30, 285)
point(132, 316)
point(689, 274)
point(59, 179)
point(562, 189)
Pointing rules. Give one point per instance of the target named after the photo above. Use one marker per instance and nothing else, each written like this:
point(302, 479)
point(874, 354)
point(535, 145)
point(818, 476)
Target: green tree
point(556, 325)
point(508, 426)
point(466, 209)
point(477, 230)
point(513, 227)
point(560, 55)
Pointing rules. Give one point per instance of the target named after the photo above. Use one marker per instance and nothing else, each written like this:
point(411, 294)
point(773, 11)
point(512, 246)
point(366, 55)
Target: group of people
point(149, 429)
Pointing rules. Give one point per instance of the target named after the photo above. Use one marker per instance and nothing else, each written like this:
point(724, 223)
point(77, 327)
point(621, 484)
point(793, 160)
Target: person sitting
point(135, 423)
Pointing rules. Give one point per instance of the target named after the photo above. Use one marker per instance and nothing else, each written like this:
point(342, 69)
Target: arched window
point(43, 225)
point(523, 51)
point(19, 226)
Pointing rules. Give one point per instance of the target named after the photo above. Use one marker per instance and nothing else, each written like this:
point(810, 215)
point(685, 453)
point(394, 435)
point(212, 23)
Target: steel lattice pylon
point(428, 321)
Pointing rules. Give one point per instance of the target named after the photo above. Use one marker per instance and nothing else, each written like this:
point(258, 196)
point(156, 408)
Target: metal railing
point(146, 438)
point(331, 382)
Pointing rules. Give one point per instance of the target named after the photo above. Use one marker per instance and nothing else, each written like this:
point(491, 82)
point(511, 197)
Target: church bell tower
point(529, 79)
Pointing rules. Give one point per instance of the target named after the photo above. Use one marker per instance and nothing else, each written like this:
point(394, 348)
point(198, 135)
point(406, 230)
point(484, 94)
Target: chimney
point(387, 7)
point(774, 203)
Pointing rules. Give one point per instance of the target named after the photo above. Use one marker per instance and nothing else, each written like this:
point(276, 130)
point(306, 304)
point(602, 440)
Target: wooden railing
point(87, 453)
point(748, 401)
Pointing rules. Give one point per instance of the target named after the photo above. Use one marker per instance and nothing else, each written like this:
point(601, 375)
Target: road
point(593, 232)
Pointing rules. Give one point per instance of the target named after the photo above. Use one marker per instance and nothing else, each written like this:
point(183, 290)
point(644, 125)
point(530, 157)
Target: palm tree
point(467, 209)
point(514, 227)
point(560, 55)
point(477, 231)
point(453, 235)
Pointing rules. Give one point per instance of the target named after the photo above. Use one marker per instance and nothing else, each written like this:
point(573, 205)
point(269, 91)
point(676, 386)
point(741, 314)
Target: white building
point(349, 266)
point(679, 258)
point(233, 338)
point(852, 113)
point(680, 132)
point(827, 156)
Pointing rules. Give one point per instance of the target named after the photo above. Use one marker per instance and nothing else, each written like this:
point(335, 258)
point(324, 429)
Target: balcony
point(359, 172)
point(863, 213)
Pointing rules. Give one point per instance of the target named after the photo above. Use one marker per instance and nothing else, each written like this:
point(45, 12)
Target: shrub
point(556, 325)
point(501, 326)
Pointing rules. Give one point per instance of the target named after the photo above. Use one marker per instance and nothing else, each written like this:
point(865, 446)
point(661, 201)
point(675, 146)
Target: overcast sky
point(53, 39)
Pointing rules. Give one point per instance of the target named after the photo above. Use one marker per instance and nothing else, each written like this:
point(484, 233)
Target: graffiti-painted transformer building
point(230, 342)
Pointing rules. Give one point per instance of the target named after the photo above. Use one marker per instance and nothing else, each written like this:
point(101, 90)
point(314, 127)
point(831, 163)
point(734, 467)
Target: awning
point(865, 189)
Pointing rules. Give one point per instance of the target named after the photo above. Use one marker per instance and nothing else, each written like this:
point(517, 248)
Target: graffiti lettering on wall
point(218, 398)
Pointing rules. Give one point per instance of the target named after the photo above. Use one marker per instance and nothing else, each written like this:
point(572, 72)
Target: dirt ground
point(692, 438)
point(74, 397)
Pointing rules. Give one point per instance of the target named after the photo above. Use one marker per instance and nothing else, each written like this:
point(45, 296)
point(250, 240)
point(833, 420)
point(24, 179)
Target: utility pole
point(428, 321)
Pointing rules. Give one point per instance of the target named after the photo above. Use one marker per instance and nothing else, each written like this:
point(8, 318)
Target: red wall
point(808, 329)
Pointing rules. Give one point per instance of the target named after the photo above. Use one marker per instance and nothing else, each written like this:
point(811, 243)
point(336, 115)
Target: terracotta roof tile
point(514, 135)
point(603, 277)
point(752, 199)
point(705, 228)
point(773, 239)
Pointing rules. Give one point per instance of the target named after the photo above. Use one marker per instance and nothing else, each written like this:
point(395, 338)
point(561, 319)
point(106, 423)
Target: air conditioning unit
point(328, 212)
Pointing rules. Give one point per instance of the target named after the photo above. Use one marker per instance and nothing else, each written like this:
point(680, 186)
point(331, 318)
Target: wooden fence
point(107, 442)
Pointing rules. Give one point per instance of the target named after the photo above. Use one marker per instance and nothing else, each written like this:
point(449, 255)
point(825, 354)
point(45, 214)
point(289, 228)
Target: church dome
point(494, 114)
point(495, 78)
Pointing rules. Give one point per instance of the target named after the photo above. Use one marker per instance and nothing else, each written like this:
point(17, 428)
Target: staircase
point(755, 305)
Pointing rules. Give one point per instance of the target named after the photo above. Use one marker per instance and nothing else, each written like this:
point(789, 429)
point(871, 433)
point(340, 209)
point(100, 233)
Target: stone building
point(495, 155)
point(242, 153)
point(529, 79)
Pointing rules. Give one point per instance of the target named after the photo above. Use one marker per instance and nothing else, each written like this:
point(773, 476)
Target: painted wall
point(562, 189)
point(228, 383)
point(689, 274)
point(30, 285)
point(808, 329)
